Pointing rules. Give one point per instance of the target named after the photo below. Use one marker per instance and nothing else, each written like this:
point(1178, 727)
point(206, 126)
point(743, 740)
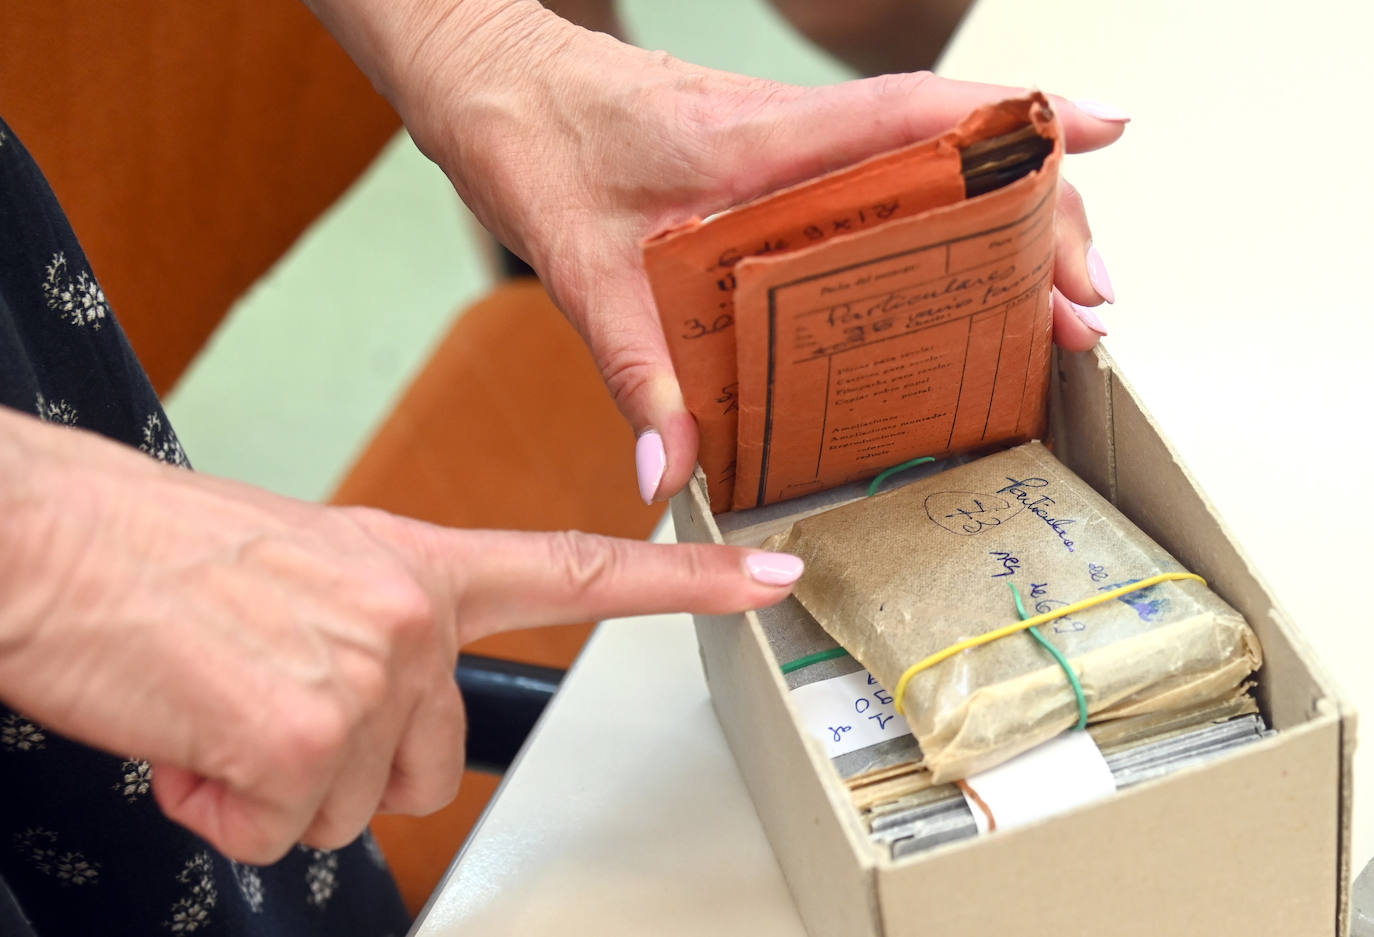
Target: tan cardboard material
point(1146, 470)
point(1227, 850)
point(1255, 843)
point(810, 816)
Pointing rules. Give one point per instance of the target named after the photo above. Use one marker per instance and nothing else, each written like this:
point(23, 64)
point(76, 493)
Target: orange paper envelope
point(826, 331)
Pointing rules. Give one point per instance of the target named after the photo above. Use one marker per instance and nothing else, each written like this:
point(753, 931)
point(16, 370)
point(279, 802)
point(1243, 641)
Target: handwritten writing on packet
point(848, 712)
point(968, 512)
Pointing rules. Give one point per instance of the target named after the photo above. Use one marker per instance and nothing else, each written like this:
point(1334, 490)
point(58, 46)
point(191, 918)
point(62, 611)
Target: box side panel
point(1241, 846)
point(1160, 496)
point(1346, 870)
point(1156, 491)
point(1132, 464)
point(826, 866)
point(1081, 418)
point(692, 517)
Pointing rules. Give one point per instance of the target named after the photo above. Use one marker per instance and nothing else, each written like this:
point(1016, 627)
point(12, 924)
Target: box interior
point(1100, 430)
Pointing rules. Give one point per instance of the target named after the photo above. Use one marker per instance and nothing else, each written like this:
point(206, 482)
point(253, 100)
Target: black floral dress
point(84, 849)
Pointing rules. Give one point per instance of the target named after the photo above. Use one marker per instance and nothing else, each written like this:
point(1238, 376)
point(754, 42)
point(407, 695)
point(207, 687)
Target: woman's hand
point(573, 147)
point(287, 668)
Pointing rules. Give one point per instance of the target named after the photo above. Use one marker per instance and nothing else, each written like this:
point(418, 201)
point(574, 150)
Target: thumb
point(503, 580)
point(242, 827)
point(626, 340)
point(811, 131)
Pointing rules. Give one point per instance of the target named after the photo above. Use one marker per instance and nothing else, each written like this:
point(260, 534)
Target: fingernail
point(1089, 318)
point(1097, 275)
point(774, 569)
point(650, 461)
point(1102, 111)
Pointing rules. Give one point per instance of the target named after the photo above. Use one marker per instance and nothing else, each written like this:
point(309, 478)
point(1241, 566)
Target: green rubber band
point(888, 473)
point(1058, 656)
point(815, 658)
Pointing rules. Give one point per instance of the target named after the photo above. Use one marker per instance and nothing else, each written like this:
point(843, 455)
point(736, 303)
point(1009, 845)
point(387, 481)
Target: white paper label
point(848, 712)
point(1066, 772)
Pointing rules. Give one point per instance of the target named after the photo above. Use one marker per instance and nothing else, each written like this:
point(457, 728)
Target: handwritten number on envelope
point(695, 328)
point(729, 396)
point(1066, 625)
point(969, 512)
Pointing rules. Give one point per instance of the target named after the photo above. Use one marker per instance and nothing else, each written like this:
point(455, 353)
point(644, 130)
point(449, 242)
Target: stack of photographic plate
point(904, 811)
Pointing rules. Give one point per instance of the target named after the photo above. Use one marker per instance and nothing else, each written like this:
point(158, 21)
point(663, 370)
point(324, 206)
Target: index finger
point(503, 580)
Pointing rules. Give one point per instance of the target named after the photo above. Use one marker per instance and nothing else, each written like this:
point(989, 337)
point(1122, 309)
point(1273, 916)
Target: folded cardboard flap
point(691, 271)
point(924, 336)
point(919, 275)
point(1256, 842)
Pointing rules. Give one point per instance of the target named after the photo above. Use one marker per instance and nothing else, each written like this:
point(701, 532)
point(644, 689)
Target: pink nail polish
point(650, 461)
point(774, 569)
point(1089, 318)
point(1097, 275)
point(1102, 111)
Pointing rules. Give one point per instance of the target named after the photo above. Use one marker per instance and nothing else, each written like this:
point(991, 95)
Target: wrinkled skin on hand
point(286, 667)
point(574, 161)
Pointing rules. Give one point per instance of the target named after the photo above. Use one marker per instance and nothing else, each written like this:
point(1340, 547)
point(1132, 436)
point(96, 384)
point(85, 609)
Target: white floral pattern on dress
point(250, 884)
point(18, 734)
point(161, 442)
point(321, 876)
point(191, 912)
point(37, 843)
point(73, 868)
point(136, 779)
point(55, 411)
point(81, 301)
point(70, 867)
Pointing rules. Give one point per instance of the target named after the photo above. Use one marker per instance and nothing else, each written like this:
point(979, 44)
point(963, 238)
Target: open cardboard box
point(1254, 843)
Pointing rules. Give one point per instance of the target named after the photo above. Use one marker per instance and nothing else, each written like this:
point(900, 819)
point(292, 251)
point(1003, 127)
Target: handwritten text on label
point(848, 712)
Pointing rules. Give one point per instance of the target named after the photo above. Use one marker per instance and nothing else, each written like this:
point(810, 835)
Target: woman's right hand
point(287, 668)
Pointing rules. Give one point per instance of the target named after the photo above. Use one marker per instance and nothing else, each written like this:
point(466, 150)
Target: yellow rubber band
point(989, 636)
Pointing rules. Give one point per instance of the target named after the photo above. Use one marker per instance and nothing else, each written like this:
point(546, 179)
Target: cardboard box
point(1254, 843)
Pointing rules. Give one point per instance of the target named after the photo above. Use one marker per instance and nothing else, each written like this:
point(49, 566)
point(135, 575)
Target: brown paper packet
point(900, 576)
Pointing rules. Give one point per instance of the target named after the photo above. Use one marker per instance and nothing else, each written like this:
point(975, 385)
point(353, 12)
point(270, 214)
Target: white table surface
point(1234, 218)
